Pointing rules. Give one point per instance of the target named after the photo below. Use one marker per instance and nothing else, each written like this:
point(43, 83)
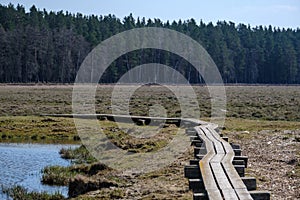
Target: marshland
point(264, 120)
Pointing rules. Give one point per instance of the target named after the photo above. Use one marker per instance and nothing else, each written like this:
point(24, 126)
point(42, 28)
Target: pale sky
point(278, 13)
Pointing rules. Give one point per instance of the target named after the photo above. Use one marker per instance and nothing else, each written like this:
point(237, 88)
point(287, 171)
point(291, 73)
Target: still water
point(21, 164)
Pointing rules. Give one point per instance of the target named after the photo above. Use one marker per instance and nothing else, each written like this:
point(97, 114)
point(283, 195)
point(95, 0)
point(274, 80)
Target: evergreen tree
point(42, 46)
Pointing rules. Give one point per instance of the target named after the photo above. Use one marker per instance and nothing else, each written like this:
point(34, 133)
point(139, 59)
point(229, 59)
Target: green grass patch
point(58, 175)
point(77, 155)
point(36, 129)
point(20, 193)
point(233, 124)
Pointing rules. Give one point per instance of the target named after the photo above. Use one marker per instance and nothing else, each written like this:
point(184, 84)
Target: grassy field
point(36, 129)
point(247, 102)
point(264, 120)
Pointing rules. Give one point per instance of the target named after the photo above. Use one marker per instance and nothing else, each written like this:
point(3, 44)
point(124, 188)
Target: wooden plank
point(207, 176)
point(234, 177)
point(206, 172)
point(200, 150)
point(243, 194)
point(217, 144)
point(215, 163)
point(229, 194)
point(230, 171)
point(235, 146)
point(208, 144)
point(214, 194)
point(237, 152)
point(194, 122)
point(236, 181)
point(220, 175)
point(217, 158)
point(229, 152)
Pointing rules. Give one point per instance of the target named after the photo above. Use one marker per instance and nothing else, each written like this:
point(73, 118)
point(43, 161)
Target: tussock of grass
point(20, 193)
point(78, 155)
point(58, 175)
point(84, 163)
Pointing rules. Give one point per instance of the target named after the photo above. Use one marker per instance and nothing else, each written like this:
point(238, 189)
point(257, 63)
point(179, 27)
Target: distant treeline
point(43, 46)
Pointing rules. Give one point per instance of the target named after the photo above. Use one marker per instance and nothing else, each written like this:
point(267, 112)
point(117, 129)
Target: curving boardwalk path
point(217, 172)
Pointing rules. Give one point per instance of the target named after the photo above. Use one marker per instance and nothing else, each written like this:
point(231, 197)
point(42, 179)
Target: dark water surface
point(21, 164)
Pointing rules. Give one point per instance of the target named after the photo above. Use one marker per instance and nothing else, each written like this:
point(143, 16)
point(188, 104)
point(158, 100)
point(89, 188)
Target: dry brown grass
point(274, 156)
point(248, 102)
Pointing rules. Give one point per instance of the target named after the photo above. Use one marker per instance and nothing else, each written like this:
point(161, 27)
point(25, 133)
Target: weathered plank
point(234, 178)
point(206, 172)
point(221, 177)
point(229, 194)
point(243, 194)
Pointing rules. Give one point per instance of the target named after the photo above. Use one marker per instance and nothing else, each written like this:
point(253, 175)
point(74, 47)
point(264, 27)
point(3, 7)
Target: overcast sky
point(278, 13)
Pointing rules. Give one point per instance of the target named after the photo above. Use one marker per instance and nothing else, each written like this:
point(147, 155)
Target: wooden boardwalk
point(218, 170)
point(221, 166)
